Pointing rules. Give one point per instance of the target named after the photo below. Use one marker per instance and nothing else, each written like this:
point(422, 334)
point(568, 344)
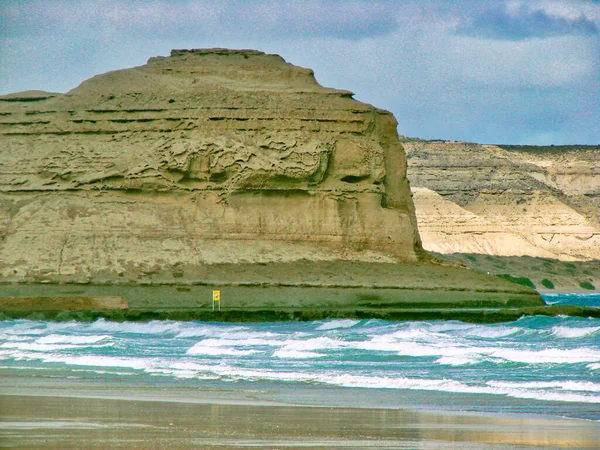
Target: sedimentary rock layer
point(509, 201)
point(203, 157)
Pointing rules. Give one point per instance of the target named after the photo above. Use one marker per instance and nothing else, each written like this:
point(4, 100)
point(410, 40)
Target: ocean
point(547, 366)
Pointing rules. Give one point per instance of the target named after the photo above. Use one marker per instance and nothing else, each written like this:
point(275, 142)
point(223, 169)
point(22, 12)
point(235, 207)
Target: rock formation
point(203, 157)
point(509, 201)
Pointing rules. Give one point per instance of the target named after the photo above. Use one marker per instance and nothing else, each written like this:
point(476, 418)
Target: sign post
point(217, 300)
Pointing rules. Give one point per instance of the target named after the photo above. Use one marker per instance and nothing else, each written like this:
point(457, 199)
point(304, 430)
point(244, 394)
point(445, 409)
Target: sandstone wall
point(203, 157)
point(512, 201)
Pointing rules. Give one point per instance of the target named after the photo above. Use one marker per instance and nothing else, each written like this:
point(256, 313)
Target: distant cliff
point(203, 157)
point(506, 200)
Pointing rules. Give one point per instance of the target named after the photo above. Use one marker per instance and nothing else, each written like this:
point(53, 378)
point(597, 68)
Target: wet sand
point(40, 421)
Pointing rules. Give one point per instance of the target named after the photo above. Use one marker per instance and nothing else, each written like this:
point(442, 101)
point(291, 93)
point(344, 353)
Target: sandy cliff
point(217, 169)
point(508, 201)
point(203, 157)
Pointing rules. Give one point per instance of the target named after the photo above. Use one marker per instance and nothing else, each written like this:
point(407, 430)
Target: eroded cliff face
point(203, 157)
point(508, 201)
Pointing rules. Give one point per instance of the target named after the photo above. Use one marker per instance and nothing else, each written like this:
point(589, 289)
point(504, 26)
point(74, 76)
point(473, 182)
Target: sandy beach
point(172, 418)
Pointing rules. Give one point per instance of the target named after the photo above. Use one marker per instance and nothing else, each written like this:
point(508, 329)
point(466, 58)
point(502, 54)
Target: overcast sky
point(495, 71)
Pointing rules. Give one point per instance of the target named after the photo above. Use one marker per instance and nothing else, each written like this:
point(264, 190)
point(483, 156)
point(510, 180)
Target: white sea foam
point(34, 327)
point(240, 373)
point(189, 374)
point(99, 371)
point(566, 385)
point(71, 339)
point(449, 326)
point(211, 350)
point(185, 370)
point(403, 348)
point(208, 330)
point(37, 347)
point(411, 334)
point(296, 354)
point(32, 346)
point(548, 356)
point(445, 385)
point(194, 366)
point(299, 353)
point(492, 332)
point(568, 332)
point(318, 343)
point(450, 354)
point(17, 338)
point(339, 323)
point(214, 342)
point(105, 361)
point(248, 335)
point(457, 360)
point(456, 353)
point(392, 383)
point(153, 327)
point(86, 360)
point(554, 396)
point(225, 332)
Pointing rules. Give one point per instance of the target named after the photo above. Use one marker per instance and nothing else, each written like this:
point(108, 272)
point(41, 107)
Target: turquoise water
point(550, 362)
point(573, 299)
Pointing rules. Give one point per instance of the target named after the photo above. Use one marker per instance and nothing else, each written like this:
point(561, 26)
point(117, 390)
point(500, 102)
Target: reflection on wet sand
point(62, 422)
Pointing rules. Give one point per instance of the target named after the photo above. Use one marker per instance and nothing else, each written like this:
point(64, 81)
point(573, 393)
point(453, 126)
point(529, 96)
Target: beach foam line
point(567, 385)
point(517, 390)
point(446, 385)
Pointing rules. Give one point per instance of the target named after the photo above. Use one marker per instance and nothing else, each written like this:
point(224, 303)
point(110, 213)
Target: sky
point(487, 71)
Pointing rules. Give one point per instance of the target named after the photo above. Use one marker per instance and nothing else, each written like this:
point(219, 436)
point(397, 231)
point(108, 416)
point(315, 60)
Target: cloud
point(501, 23)
point(406, 56)
point(351, 20)
point(547, 63)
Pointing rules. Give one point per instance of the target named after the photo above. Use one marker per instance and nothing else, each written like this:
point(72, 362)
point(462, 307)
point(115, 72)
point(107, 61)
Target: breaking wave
point(549, 359)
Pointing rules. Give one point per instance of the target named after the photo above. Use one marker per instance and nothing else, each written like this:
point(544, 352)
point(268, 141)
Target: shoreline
point(566, 290)
point(469, 315)
point(65, 421)
point(276, 393)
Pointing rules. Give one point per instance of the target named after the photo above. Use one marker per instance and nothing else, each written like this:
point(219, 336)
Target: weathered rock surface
point(508, 201)
point(203, 157)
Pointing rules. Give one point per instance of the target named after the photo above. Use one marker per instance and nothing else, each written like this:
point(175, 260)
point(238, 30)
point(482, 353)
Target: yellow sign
point(216, 296)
